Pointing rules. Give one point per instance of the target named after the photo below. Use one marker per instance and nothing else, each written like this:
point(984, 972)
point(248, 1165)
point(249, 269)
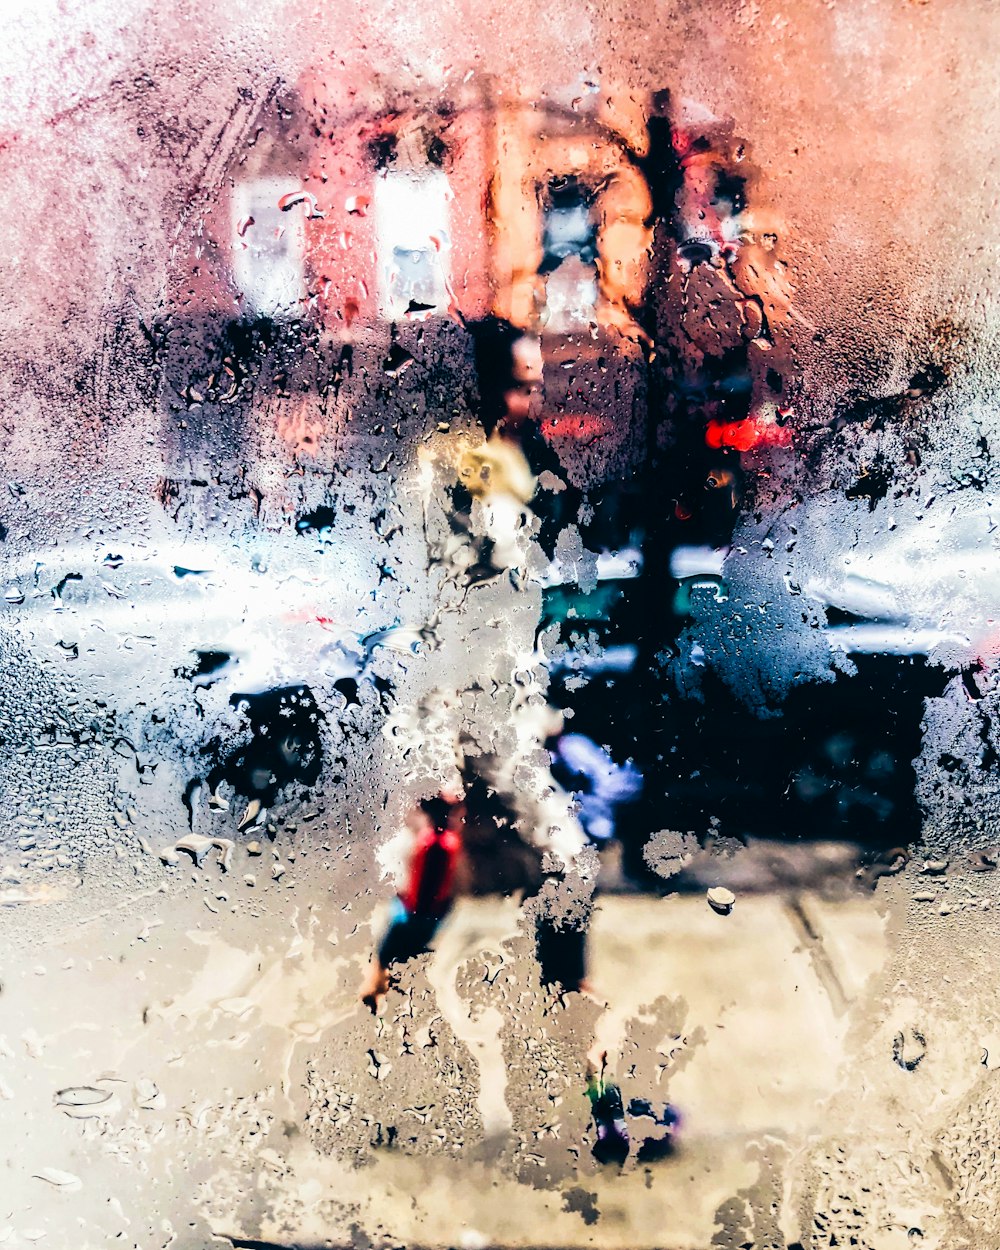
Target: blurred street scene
point(499, 709)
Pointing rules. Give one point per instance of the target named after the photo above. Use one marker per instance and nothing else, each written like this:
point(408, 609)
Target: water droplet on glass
point(721, 900)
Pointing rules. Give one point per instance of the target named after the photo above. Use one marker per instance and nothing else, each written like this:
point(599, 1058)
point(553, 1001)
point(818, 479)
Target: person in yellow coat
point(497, 476)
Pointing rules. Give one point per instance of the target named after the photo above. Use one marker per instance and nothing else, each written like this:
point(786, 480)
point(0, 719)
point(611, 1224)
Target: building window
point(411, 214)
point(568, 228)
point(569, 255)
point(269, 248)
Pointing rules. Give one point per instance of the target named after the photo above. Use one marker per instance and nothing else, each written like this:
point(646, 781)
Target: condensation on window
point(499, 705)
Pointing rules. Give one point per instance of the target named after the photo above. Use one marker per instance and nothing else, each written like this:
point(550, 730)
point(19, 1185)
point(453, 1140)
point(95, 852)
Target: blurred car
point(834, 756)
point(228, 661)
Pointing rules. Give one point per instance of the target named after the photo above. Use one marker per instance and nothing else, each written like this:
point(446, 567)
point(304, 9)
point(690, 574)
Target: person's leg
point(393, 943)
point(376, 986)
point(407, 936)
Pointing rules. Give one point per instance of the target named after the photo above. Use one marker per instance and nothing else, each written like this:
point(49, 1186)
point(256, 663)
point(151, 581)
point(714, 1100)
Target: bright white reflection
point(411, 216)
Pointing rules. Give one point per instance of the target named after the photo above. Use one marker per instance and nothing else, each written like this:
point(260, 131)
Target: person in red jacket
point(427, 894)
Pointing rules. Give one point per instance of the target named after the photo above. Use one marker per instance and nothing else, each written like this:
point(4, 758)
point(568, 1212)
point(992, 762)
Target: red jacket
point(431, 880)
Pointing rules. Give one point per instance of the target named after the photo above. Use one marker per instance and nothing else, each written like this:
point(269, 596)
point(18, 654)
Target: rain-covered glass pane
point(500, 625)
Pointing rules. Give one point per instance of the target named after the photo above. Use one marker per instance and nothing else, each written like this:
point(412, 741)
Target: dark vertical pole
point(653, 614)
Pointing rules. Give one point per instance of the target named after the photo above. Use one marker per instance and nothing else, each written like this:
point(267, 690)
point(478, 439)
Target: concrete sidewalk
point(197, 1035)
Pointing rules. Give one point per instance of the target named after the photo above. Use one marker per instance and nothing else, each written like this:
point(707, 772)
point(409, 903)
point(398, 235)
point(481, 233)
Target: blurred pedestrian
point(612, 1143)
point(427, 895)
point(597, 783)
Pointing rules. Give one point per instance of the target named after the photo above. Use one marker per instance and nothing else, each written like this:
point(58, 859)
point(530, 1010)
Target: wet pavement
point(175, 1072)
